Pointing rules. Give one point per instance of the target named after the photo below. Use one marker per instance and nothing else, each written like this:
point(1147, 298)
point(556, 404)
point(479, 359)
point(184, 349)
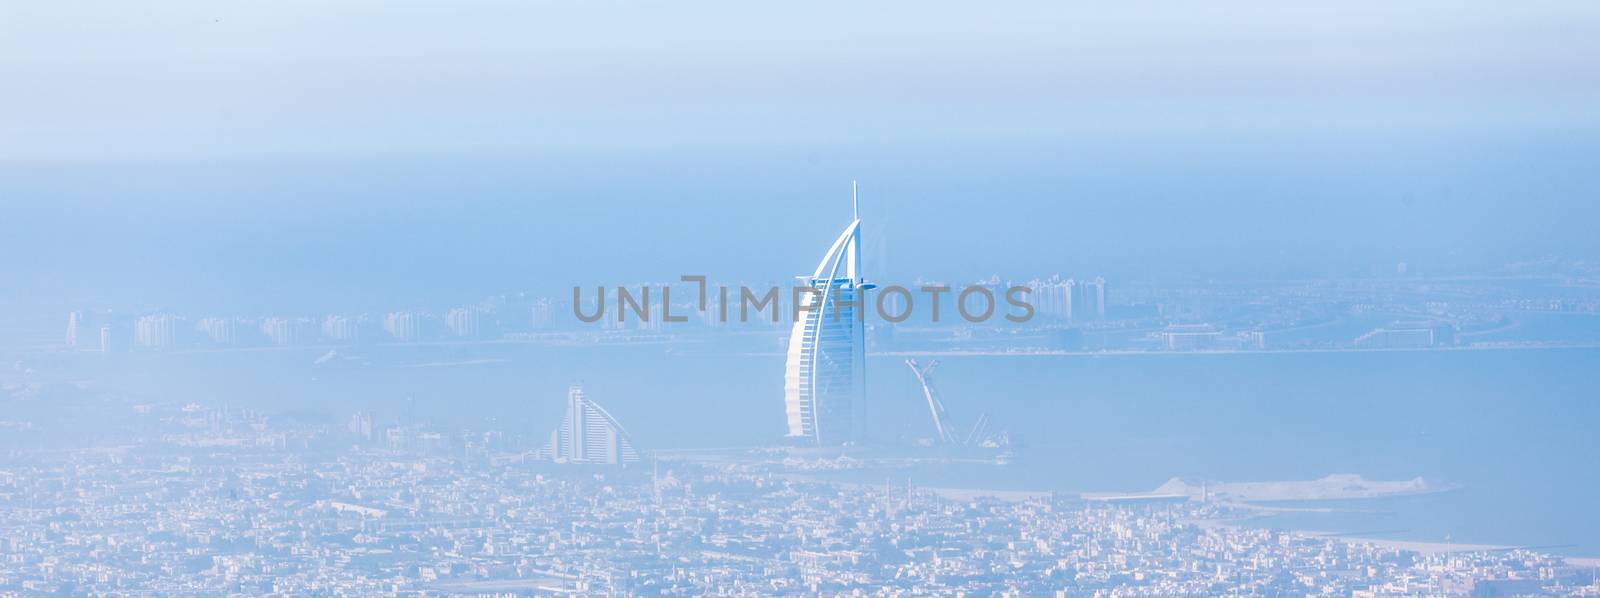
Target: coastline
point(1424, 547)
point(1433, 548)
point(1551, 346)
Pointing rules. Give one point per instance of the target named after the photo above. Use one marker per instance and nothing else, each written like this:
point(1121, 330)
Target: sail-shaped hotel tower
point(824, 387)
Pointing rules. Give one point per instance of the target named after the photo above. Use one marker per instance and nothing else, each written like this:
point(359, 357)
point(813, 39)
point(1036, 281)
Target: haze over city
point(293, 299)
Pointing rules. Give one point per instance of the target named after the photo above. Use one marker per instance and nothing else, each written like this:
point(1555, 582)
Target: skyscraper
point(1052, 297)
point(361, 425)
point(1100, 297)
point(72, 329)
point(404, 326)
point(1089, 299)
point(344, 329)
point(1071, 297)
point(464, 321)
point(589, 435)
point(286, 331)
point(156, 331)
point(540, 318)
point(825, 375)
point(221, 331)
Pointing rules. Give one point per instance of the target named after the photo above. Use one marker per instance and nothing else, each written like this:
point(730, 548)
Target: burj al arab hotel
point(824, 387)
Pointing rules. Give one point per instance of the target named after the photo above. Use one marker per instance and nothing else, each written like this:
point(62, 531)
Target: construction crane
point(976, 437)
point(945, 433)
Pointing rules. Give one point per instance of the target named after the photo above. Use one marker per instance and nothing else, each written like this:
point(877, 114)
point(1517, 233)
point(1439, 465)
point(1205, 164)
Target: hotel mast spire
point(855, 208)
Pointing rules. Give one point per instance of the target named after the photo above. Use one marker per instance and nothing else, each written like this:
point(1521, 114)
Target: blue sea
point(1515, 428)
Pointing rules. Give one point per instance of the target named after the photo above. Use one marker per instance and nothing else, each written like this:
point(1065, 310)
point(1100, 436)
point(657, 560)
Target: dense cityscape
point(197, 498)
point(201, 498)
point(211, 501)
point(935, 298)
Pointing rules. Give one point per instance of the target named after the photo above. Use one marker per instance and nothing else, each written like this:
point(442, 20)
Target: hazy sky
point(233, 78)
point(278, 155)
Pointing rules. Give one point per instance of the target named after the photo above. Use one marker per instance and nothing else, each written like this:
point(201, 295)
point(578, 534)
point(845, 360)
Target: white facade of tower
point(825, 372)
point(589, 435)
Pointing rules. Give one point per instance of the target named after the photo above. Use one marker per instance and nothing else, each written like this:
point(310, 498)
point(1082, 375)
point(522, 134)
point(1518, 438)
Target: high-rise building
point(72, 329)
point(156, 331)
point(464, 321)
point(589, 435)
point(1099, 297)
point(221, 331)
point(105, 339)
point(540, 317)
point(286, 331)
point(1069, 297)
point(825, 375)
point(404, 326)
point(993, 285)
point(361, 425)
point(341, 329)
point(1052, 297)
point(711, 317)
point(1089, 299)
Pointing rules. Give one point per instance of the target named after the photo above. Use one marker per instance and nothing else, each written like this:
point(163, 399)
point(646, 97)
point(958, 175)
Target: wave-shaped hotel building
point(589, 435)
point(825, 373)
